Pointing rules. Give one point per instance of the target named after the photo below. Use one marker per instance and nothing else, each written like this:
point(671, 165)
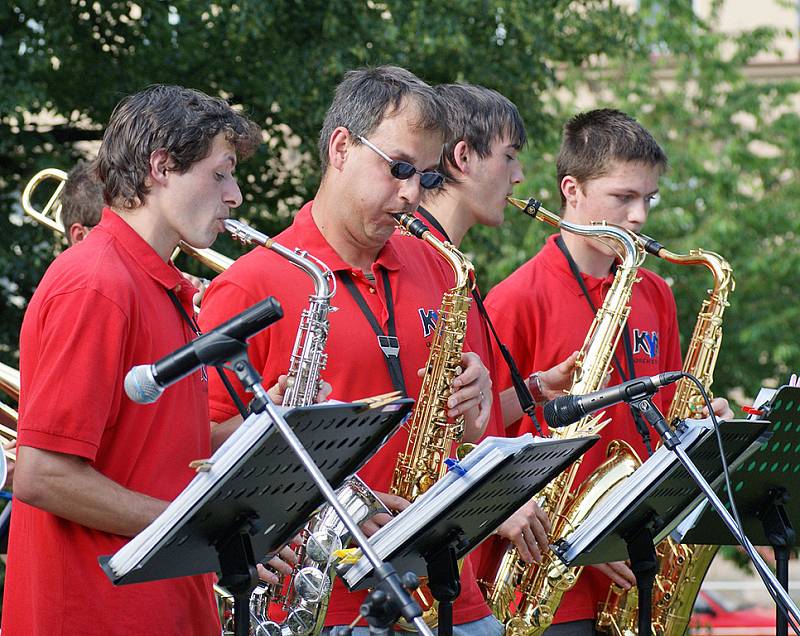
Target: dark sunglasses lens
point(430, 180)
point(402, 170)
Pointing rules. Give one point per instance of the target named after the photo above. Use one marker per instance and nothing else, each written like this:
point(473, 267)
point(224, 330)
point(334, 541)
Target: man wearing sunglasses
point(379, 148)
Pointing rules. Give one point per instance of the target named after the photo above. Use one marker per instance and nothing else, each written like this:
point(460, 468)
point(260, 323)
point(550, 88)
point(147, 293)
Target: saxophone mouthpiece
point(529, 207)
point(650, 245)
point(411, 224)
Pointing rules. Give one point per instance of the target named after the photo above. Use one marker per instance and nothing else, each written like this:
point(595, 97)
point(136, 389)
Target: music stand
point(463, 522)
point(661, 492)
point(260, 504)
point(763, 485)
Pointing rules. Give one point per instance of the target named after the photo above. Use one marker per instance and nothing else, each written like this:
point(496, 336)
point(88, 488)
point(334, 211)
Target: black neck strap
point(190, 320)
point(524, 396)
point(388, 342)
point(641, 425)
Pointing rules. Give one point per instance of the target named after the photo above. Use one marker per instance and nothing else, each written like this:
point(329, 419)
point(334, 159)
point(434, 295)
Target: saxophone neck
point(320, 273)
point(719, 267)
point(462, 267)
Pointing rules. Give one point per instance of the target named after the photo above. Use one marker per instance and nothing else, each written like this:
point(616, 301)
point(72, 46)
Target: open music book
point(469, 501)
point(256, 483)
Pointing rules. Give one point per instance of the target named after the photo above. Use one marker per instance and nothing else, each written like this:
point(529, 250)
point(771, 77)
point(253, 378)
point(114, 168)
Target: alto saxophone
point(430, 432)
point(681, 567)
point(304, 597)
point(526, 597)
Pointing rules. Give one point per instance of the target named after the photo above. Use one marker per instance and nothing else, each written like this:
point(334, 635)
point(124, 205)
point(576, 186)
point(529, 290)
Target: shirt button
point(371, 290)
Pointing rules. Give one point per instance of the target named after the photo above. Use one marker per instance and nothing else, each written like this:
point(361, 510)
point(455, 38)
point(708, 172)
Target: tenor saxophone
point(430, 432)
point(681, 567)
point(525, 597)
point(304, 596)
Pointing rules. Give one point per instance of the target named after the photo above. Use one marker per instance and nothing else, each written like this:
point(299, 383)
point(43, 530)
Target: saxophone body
point(681, 567)
point(431, 432)
point(525, 597)
point(304, 596)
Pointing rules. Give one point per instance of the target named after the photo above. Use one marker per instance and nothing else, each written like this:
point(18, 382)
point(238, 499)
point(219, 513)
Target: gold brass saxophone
point(430, 432)
point(525, 597)
point(681, 567)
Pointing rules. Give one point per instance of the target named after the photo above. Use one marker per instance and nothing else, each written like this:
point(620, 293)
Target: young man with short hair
point(608, 170)
point(94, 468)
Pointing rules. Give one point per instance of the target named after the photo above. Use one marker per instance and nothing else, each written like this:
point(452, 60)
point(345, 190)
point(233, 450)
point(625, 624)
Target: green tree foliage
point(64, 64)
point(732, 184)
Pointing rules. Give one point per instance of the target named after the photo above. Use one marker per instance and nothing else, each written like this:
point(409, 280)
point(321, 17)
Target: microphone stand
point(390, 599)
point(671, 440)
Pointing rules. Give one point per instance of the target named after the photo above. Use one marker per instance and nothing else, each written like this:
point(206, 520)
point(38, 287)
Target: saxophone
point(431, 433)
point(304, 597)
point(681, 567)
point(526, 597)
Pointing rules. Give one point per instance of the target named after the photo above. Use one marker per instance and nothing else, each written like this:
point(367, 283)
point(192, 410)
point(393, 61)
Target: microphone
point(568, 409)
point(145, 383)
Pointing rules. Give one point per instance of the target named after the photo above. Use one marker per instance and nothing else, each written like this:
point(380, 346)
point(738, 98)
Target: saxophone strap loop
point(388, 342)
point(641, 425)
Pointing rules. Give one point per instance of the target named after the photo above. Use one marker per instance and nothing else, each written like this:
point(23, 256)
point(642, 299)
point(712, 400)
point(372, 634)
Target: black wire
point(735, 513)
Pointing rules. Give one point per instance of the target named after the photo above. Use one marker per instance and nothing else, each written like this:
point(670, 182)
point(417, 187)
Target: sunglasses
point(404, 170)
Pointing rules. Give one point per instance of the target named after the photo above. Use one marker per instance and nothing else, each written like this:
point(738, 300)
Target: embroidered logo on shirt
point(429, 319)
point(645, 341)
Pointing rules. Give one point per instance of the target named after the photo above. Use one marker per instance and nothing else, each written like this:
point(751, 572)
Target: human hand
point(393, 503)
point(282, 564)
point(619, 572)
point(472, 392)
point(557, 380)
point(721, 409)
point(278, 390)
point(527, 529)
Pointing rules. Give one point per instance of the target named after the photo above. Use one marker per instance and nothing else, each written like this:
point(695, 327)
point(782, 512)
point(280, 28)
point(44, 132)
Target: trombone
point(50, 216)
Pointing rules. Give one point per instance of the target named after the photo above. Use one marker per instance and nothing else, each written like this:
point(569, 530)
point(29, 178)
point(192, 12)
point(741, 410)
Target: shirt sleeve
point(223, 300)
point(72, 381)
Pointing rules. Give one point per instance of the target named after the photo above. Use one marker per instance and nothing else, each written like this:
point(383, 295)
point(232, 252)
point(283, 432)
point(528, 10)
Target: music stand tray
point(660, 493)
point(464, 520)
point(264, 493)
point(773, 468)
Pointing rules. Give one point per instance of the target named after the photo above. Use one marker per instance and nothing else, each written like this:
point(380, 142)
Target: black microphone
point(568, 409)
point(146, 382)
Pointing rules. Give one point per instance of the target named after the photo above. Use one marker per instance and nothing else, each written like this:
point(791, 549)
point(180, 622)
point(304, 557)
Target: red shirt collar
point(315, 243)
point(558, 263)
point(142, 253)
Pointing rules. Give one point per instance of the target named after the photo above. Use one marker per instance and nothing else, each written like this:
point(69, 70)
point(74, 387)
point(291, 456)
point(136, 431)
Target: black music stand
point(763, 486)
point(652, 501)
point(265, 498)
point(463, 522)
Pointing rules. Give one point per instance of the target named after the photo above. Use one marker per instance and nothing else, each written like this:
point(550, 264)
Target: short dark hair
point(181, 121)
point(367, 95)
point(82, 197)
point(478, 116)
point(594, 140)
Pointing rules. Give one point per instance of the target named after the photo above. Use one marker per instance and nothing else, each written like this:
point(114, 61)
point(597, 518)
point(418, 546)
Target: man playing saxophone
point(93, 468)
point(608, 170)
point(379, 147)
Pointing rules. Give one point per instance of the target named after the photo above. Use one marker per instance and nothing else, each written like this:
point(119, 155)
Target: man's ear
point(338, 147)
point(463, 157)
point(570, 188)
point(159, 167)
point(76, 233)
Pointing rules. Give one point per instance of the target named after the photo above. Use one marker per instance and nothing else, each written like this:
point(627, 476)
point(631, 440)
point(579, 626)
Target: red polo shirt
point(101, 308)
point(542, 316)
point(356, 366)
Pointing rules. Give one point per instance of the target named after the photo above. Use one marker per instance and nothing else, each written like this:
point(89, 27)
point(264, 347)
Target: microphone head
point(141, 385)
point(563, 411)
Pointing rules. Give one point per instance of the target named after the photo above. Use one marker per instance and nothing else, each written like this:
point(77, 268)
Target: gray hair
point(367, 95)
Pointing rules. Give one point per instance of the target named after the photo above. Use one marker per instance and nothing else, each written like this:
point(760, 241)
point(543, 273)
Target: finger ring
point(480, 393)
